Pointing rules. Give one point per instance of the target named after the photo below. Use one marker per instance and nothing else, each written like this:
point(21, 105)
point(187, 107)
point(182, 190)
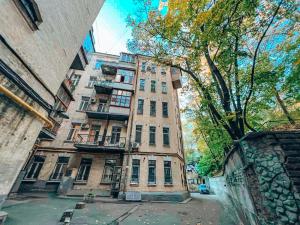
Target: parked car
point(203, 189)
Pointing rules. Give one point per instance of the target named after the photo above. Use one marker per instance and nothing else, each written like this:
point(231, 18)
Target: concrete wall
point(261, 173)
point(50, 50)
point(47, 54)
point(19, 130)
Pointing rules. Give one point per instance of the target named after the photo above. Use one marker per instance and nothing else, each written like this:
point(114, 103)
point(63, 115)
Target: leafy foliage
point(241, 57)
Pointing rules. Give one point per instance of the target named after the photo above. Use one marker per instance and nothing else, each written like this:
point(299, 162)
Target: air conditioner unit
point(121, 144)
point(135, 145)
point(93, 100)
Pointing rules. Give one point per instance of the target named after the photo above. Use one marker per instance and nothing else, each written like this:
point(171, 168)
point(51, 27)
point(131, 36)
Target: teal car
point(203, 189)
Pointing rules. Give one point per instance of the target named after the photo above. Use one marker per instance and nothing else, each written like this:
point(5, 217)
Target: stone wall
point(261, 173)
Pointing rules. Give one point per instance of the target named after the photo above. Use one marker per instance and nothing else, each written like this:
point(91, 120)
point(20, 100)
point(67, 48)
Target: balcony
point(105, 87)
point(109, 69)
point(99, 143)
point(50, 134)
point(107, 112)
point(69, 87)
point(176, 78)
point(80, 60)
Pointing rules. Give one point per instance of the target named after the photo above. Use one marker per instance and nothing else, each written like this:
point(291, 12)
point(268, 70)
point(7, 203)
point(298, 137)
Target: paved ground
point(202, 209)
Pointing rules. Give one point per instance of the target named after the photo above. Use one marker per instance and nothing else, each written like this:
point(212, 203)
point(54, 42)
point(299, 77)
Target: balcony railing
point(107, 111)
point(114, 141)
point(106, 87)
point(69, 85)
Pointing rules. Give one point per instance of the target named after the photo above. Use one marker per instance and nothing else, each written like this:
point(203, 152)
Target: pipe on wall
point(25, 105)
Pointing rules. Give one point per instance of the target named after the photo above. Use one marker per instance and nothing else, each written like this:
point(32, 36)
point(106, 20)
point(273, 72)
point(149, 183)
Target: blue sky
point(110, 30)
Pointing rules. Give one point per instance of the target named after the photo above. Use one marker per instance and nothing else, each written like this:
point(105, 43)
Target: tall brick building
point(123, 134)
point(40, 41)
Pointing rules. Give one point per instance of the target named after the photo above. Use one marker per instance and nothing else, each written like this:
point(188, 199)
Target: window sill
point(80, 182)
point(153, 115)
point(134, 184)
point(151, 185)
point(168, 185)
point(105, 183)
point(152, 144)
point(165, 116)
point(29, 180)
point(53, 181)
point(166, 146)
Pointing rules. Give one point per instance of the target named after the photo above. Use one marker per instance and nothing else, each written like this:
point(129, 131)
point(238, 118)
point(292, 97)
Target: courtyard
point(47, 210)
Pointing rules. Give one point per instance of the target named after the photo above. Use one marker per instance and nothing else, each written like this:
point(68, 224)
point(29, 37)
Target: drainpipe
point(130, 134)
point(25, 105)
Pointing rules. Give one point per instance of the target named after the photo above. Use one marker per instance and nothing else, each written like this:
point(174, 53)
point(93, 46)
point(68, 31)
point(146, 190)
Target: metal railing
point(100, 140)
point(102, 107)
point(56, 125)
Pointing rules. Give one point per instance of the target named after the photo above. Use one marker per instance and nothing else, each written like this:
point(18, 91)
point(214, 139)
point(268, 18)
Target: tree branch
point(253, 66)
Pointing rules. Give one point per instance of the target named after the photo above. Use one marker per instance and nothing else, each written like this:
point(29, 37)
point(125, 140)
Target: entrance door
point(94, 134)
point(116, 181)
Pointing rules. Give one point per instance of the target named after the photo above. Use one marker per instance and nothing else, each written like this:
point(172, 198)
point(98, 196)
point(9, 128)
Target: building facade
point(123, 134)
point(38, 43)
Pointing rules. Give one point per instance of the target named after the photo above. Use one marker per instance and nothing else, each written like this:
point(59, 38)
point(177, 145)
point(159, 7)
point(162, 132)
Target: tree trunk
point(283, 107)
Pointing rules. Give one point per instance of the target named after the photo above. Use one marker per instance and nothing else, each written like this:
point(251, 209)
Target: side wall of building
point(41, 59)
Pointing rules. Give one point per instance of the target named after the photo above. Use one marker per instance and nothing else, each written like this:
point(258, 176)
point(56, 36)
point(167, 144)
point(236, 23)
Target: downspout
point(25, 105)
point(130, 134)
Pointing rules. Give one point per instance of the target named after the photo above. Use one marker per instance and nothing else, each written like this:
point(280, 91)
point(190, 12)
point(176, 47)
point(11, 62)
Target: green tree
point(241, 57)
point(227, 37)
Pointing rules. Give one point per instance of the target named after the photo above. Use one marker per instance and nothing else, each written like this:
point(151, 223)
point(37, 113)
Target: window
point(63, 96)
point(60, 168)
point(98, 64)
point(135, 173)
point(152, 108)
point(153, 68)
point(168, 172)
point(125, 76)
point(144, 64)
point(152, 131)
point(140, 108)
point(94, 134)
point(124, 57)
point(121, 98)
point(166, 136)
point(151, 171)
point(138, 133)
point(142, 84)
point(115, 135)
point(92, 81)
point(84, 103)
point(153, 85)
point(165, 112)
point(72, 131)
point(164, 87)
point(84, 170)
point(35, 167)
point(108, 171)
point(163, 71)
point(30, 11)
point(75, 80)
